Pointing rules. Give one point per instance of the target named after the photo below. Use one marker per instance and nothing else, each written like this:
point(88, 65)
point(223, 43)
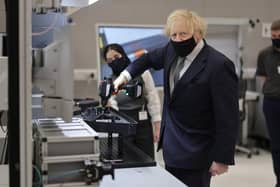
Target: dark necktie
point(177, 70)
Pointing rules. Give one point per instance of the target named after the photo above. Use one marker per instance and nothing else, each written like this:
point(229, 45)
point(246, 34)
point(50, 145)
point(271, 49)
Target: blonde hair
point(196, 25)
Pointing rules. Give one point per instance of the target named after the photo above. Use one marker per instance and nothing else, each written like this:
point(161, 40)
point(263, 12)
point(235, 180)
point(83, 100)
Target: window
point(225, 35)
point(136, 40)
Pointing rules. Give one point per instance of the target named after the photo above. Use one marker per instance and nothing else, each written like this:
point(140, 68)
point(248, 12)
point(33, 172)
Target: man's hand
point(121, 80)
point(156, 130)
point(218, 168)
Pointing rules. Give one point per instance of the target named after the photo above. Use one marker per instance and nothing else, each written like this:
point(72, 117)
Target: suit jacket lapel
point(196, 66)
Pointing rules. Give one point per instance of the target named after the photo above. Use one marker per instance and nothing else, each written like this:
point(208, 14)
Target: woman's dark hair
point(115, 47)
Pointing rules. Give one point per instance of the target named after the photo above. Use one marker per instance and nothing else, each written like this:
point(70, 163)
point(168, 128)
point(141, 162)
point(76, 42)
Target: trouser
point(144, 133)
point(271, 109)
point(277, 180)
point(191, 177)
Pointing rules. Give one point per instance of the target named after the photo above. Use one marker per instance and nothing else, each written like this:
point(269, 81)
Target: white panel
point(65, 64)
point(3, 83)
point(48, 87)
point(225, 43)
point(266, 30)
point(51, 107)
point(55, 77)
point(25, 63)
point(249, 73)
point(2, 5)
point(85, 74)
point(51, 57)
point(4, 175)
point(77, 3)
point(225, 39)
point(2, 21)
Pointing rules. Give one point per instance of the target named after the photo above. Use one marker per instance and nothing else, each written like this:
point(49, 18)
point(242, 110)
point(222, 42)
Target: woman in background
point(145, 110)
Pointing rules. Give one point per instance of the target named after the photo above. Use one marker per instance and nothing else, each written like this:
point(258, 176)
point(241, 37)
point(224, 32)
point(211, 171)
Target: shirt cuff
point(127, 75)
point(156, 118)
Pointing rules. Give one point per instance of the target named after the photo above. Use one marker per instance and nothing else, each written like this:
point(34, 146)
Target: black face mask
point(276, 42)
point(118, 65)
point(185, 47)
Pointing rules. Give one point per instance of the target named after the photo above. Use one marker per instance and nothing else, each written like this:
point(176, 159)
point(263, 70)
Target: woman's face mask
point(185, 47)
point(118, 65)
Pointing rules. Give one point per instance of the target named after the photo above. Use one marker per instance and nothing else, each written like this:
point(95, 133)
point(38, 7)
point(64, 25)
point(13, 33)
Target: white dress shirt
point(188, 60)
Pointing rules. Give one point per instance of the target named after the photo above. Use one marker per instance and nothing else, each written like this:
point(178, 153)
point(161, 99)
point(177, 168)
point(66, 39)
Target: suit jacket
point(200, 118)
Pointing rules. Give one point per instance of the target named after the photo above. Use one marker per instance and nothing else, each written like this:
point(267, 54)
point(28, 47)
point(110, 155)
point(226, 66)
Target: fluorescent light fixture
point(77, 3)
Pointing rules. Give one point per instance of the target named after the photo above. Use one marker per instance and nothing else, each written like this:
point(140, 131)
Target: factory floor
point(248, 172)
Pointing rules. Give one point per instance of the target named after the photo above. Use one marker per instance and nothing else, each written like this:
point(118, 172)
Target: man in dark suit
point(200, 112)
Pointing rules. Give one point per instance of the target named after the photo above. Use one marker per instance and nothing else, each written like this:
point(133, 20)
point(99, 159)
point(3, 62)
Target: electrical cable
point(3, 152)
point(1, 122)
point(48, 28)
point(39, 182)
point(64, 174)
point(4, 147)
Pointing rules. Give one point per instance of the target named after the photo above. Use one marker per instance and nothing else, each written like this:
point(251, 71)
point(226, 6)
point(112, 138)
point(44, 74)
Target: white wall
point(155, 12)
point(2, 17)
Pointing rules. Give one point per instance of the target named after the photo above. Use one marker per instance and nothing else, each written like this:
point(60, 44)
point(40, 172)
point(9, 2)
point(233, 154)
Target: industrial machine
point(118, 129)
point(94, 155)
point(48, 158)
point(43, 6)
point(56, 162)
point(52, 66)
